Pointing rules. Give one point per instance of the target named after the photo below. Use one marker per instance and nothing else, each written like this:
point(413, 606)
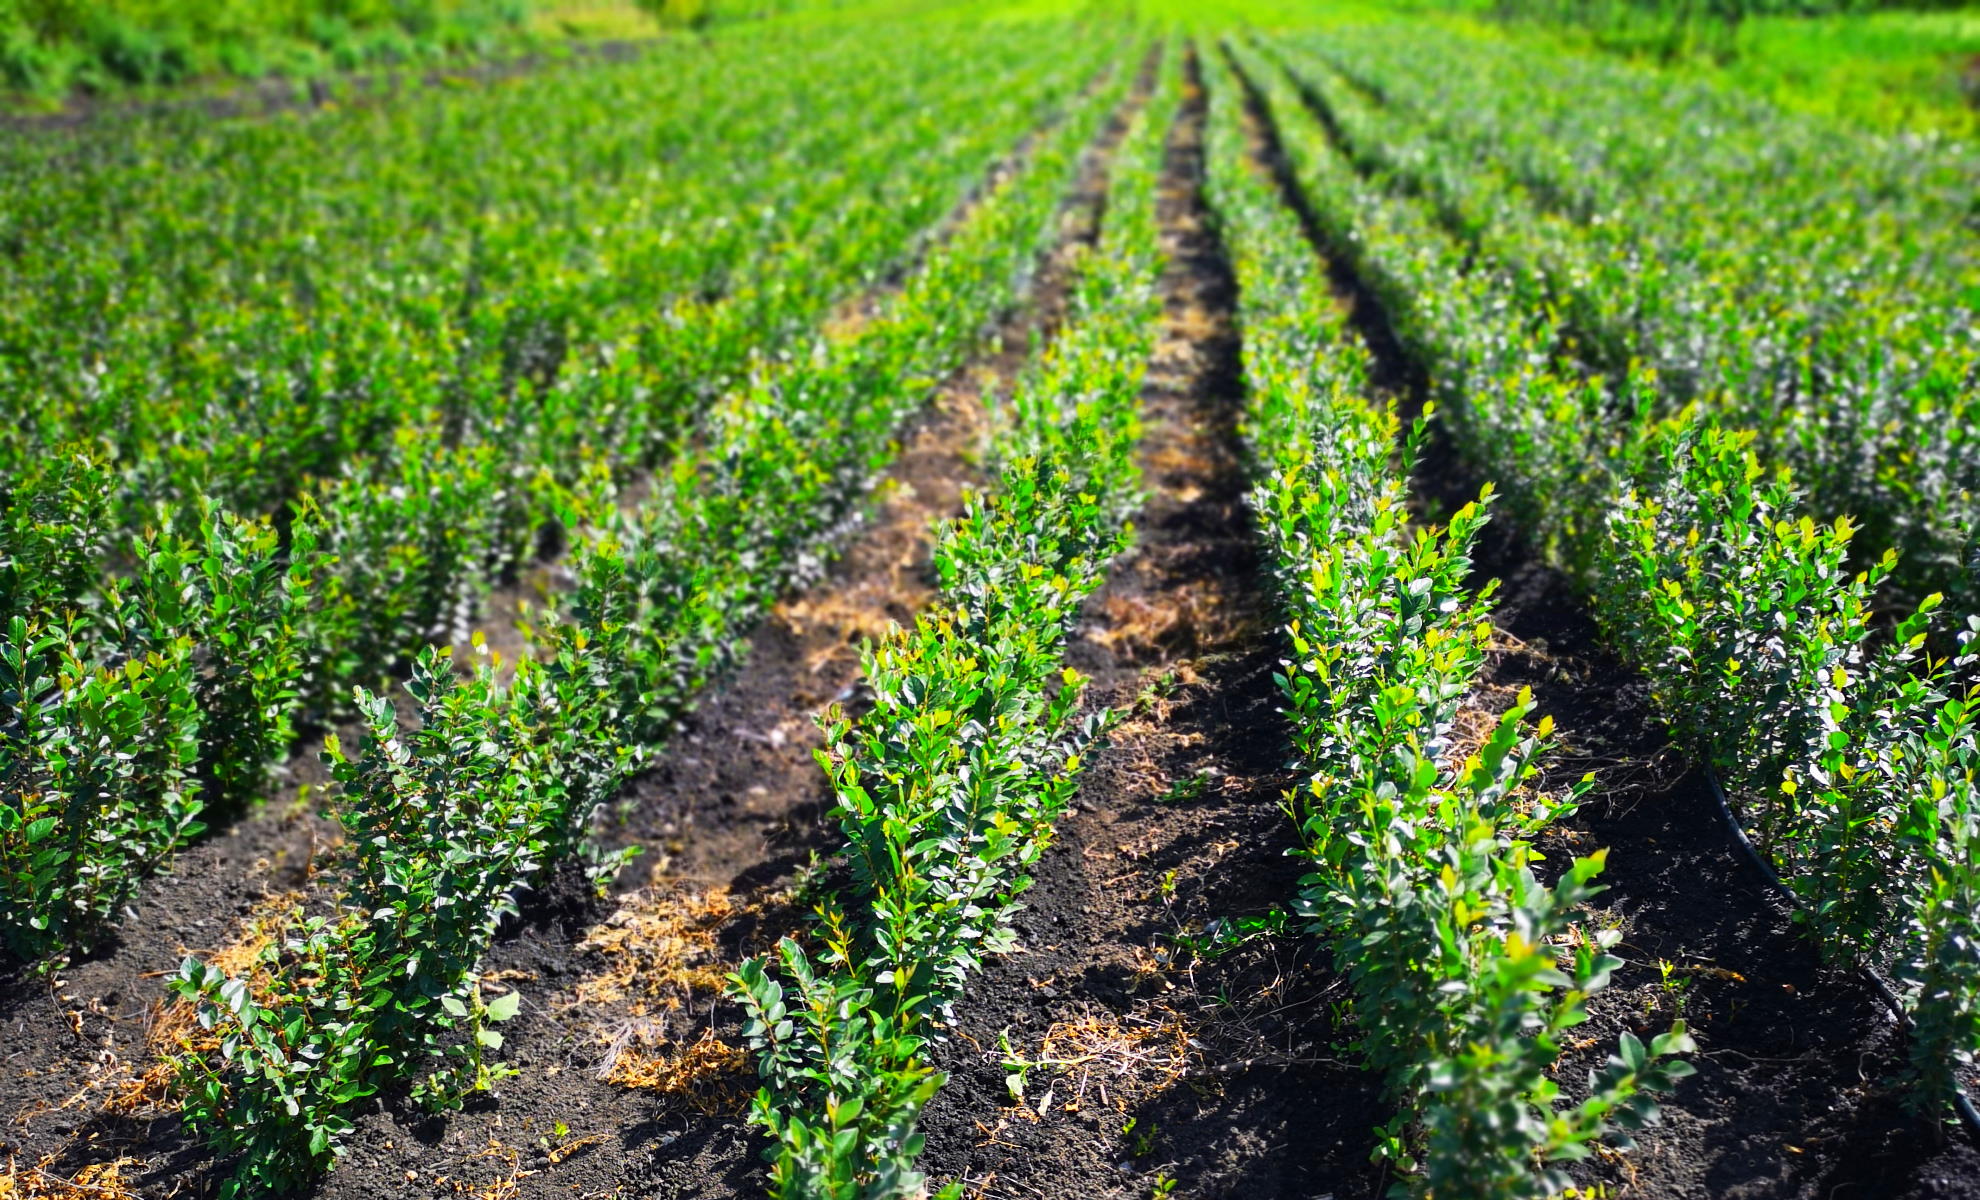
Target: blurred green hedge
point(52, 46)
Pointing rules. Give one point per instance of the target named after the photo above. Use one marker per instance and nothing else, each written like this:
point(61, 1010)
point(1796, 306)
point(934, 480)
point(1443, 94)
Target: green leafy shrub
point(950, 786)
point(444, 825)
point(1531, 297)
point(228, 589)
point(55, 532)
point(96, 780)
point(1422, 858)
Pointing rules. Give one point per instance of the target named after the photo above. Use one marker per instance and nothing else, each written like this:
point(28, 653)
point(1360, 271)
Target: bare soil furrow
point(1138, 1057)
point(84, 1033)
point(727, 818)
point(1796, 1091)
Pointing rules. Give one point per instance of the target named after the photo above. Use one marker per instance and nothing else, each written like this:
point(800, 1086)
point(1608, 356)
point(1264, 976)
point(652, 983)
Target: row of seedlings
point(1466, 968)
point(281, 297)
point(224, 631)
point(490, 419)
point(448, 823)
point(1789, 277)
point(1847, 746)
point(949, 787)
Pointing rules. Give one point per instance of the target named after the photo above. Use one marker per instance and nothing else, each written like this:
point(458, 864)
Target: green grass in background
point(590, 19)
point(1893, 69)
point(53, 46)
point(1879, 66)
point(1887, 69)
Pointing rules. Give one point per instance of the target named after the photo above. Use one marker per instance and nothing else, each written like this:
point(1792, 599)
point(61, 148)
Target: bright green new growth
point(1422, 860)
point(949, 787)
point(500, 781)
point(1528, 294)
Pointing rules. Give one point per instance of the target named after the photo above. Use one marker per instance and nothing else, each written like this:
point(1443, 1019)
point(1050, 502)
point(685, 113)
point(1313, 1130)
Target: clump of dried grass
point(41, 1181)
point(711, 1077)
point(1174, 619)
point(664, 962)
point(144, 1087)
point(1119, 1059)
point(506, 1186)
point(661, 950)
point(1477, 716)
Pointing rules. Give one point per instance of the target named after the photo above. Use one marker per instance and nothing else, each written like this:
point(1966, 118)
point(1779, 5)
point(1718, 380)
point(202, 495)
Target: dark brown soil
point(1796, 1092)
point(80, 1035)
point(728, 818)
point(1156, 1062)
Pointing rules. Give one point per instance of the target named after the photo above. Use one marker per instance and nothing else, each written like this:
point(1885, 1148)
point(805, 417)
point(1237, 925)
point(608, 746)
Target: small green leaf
point(501, 1008)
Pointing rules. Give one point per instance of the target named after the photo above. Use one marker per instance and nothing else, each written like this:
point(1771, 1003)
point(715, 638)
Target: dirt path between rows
point(728, 819)
point(68, 1040)
point(1794, 1095)
point(1149, 1061)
